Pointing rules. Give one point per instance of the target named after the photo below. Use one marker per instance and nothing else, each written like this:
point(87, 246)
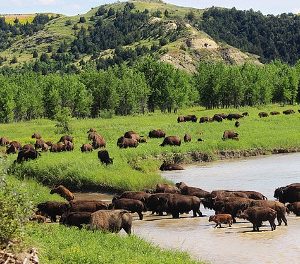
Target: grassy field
point(135, 169)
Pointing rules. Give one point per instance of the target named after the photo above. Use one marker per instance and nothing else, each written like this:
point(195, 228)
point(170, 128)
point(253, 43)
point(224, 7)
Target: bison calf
point(221, 219)
point(63, 192)
point(132, 205)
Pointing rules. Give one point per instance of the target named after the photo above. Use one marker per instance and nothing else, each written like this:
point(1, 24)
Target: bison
point(86, 148)
point(141, 196)
point(245, 114)
point(234, 116)
point(263, 114)
point(274, 113)
point(75, 219)
point(132, 205)
point(256, 215)
point(52, 209)
point(221, 219)
point(57, 147)
point(4, 141)
point(36, 136)
point(192, 118)
point(127, 142)
point(288, 112)
point(63, 192)
point(27, 154)
point(166, 166)
point(66, 137)
point(87, 206)
point(103, 156)
point(294, 207)
point(288, 194)
point(157, 133)
point(172, 141)
point(187, 190)
point(98, 142)
point(229, 134)
point(111, 220)
point(166, 188)
point(187, 138)
point(13, 147)
point(180, 119)
point(237, 124)
point(92, 130)
point(205, 119)
point(132, 135)
point(217, 118)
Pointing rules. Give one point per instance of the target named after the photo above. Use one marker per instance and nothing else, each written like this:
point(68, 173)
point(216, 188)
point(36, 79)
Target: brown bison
point(132, 205)
point(217, 118)
point(294, 207)
point(86, 148)
point(36, 136)
point(68, 146)
point(221, 219)
point(87, 206)
point(263, 114)
point(180, 119)
point(274, 113)
point(127, 142)
point(94, 135)
point(63, 192)
point(58, 147)
point(28, 147)
point(288, 194)
point(166, 188)
point(275, 205)
point(192, 118)
point(172, 141)
point(170, 166)
point(13, 147)
point(229, 134)
point(92, 130)
point(66, 138)
point(132, 135)
point(187, 190)
point(234, 116)
point(39, 143)
point(75, 219)
point(98, 142)
point(157, 133)
point(256, 215)
point(288, 112)
point(4, 141)
point(141, 196)
point(187, 138)
point(111, 220)
point(52, 209)
point(27, 154)
point(205, 119)
point(103, 156)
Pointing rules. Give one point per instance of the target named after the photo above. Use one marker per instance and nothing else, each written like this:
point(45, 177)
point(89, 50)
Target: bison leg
point(216, 225)
point(233, 219)
point(195, 212)
point(220, 225)
point(53, 218)
point(279, 220)
point(127, 229)
point(175, 214)
point(284, 220)
point(140, 215)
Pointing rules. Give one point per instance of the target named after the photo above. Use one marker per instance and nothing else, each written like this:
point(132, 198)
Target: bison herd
point(174, 200)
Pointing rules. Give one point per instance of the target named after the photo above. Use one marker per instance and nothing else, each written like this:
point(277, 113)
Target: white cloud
point(46, 2)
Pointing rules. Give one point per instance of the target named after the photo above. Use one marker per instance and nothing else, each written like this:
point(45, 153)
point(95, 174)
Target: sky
point(74, 7)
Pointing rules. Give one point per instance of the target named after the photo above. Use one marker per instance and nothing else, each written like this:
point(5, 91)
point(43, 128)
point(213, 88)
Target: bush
point(15, 209)
point(63, 118)
point(82, 20)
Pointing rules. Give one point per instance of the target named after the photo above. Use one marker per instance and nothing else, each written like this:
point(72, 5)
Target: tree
point(82, 20)
point(63, 118)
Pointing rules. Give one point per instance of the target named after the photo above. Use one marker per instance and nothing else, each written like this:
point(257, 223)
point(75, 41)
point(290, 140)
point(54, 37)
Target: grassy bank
point(135, 169)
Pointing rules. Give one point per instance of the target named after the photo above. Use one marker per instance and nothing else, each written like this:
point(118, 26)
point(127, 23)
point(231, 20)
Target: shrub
point(63, 118)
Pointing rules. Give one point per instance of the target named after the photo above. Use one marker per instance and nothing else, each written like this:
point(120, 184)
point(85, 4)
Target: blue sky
point(74, 7)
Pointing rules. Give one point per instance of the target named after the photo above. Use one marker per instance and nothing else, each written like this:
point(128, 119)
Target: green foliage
point(62, 118)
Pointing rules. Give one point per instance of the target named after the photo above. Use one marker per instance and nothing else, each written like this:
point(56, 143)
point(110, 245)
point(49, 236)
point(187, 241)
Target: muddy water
point(236, 244)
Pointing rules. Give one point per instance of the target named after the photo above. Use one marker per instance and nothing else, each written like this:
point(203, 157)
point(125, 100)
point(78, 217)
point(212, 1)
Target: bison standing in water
point(229, 134)
point(170, 166)
point(288, 194)
point(111, 220)
point(52, 209)
point(63, 192)
point(103, 156)
point(256, 215)
point(132, 205)
point(172, 141)
point(294, 207)
point(221, 219)
point(75, 219)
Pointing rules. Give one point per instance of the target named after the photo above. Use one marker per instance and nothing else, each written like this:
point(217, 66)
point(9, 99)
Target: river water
point(237, 244)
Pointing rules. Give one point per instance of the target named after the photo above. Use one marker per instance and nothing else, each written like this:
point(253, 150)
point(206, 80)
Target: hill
point(164, 30)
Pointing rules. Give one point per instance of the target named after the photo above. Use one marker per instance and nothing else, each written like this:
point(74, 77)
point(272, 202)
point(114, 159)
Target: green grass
point(135, 169)
point(59, 244)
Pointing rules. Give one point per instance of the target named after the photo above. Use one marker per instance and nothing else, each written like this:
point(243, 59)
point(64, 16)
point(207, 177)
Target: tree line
point(146, 86)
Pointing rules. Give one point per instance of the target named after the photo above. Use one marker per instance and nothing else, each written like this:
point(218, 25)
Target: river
point(237, 244)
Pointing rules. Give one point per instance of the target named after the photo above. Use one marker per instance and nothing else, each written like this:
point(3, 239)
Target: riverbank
point(138, 168)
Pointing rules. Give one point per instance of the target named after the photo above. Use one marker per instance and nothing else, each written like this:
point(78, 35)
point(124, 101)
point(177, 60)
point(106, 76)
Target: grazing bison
point(87, 206)
point(36, 136)
point(288, 194)
point(127, 142)
point(111, 220)
point(103, 156)
point(200, 140)
point(132, 135)
point(13, 147)
point(63, 192)
point(166, 188)
point(39, 143)
point(58, 147)
point(237, 124)
point(4, 141)
point(52, 209)
point(166, 166)
point(187, 190)
point(93, 135)
point(98, 142)
point(172, 141)
point(245, 114)
point(68, 146)
point(217, 118)
point(92, 130)
point(234, 116)
point(294, 207)
point(205, 119)
point(274, 113)
point(263, 114)
point(27, 154)
point(66, 138)
point(157, 133)
point(132, 205)
point(86, 148)
point(28, 147)
point(187, 138)
point(180, 119)
point(275, 205)
point(192, 118)
point(75, 219)
point(256, 215)
point(221, 219)
point(288, 112)
point(229, 134)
